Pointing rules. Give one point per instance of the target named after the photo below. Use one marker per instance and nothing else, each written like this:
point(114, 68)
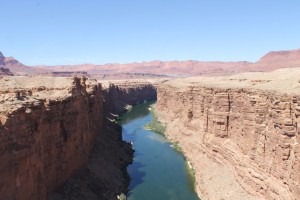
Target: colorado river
point(158, 170)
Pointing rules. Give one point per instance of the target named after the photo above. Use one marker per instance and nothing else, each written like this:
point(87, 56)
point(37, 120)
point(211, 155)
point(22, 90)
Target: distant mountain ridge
point(271, 61)
point(15, 66)
point(279, 59)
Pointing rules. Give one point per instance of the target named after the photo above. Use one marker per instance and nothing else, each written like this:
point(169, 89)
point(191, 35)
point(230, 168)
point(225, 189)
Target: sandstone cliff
point(56, 141)
point(240, 133)
point(118, 94)
point(44, 140)
point(105, 175)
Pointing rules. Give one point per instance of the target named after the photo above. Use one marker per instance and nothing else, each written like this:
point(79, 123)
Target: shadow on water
point(158, 171)
point(138, 111)
point(136, 170)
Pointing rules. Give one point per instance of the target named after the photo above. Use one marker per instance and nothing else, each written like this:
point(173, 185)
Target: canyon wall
point(55, 140)
point(120, 94)
point(105, 175)
point(242, 142)
point(44, 141)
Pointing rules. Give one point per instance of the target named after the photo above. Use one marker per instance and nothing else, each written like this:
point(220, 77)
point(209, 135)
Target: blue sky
point(121, 31)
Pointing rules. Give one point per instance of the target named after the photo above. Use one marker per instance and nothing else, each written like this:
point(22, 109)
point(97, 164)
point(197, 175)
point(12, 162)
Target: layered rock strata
point(105, 175)
point(240, 134)
point(119, 94)
point(56, 141)
point(44, 140)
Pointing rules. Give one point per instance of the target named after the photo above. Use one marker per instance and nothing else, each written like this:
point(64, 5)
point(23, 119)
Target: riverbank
point(240, 132)
point(213, 180)
point(158, 170)
point(59, 140)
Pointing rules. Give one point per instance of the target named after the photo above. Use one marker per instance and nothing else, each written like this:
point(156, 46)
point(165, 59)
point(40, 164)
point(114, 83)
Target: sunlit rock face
point(55, 131)
point(252, 131)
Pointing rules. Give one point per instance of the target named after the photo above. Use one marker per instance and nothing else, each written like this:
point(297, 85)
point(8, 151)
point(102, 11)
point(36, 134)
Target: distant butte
point(271, 61)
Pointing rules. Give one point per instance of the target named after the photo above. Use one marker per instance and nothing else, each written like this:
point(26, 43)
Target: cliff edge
point(58, 139)
point(240, 133)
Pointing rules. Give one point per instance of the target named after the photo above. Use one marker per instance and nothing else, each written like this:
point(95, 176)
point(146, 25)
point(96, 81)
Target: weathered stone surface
point(44, 141)
point(255, 133)
point(105, 175)
point(119, 94)
point(56, 136)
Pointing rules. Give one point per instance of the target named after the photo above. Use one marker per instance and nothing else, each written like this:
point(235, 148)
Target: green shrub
point(122, 197)
point(176, 146)
point(191, 174)
point(155, 125)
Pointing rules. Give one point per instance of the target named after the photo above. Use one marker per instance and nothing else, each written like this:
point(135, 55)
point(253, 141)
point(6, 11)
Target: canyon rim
point(150, 100)
point(238, 132)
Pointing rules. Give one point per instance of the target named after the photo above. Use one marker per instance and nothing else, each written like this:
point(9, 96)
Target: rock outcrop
point(5, 72)
point(105, 175)
point(239, 128)
point(45, 140)
point(56, 141)
point(120, 94)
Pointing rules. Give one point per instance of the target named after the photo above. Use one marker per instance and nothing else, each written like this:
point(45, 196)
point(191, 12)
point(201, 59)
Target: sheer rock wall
point(254, 132)
point(56, 141)
point(44, 141)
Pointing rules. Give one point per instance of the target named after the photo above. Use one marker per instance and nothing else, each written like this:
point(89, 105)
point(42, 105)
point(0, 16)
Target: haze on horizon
point(74, 32)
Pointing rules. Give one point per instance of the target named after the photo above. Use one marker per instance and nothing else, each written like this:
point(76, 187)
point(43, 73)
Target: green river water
point(158, 171)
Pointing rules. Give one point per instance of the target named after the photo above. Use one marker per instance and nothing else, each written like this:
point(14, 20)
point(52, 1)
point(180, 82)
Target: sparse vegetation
point(122, 197)
point(128, 107)
point(155, 125)
point(176, 146)
point(191, 174)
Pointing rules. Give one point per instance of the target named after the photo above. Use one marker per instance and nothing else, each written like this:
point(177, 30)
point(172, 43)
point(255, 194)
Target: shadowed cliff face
point(54, 131)
point(118, 95)
point(252, 132)
point(105, 175)
point(44, 142)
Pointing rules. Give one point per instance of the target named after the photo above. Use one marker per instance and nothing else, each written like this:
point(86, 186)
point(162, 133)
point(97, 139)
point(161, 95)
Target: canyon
point(58, 139)
point(240, 133)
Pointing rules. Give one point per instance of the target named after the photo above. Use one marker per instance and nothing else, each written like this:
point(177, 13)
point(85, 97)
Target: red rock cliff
point(242, 132)
point(105, 175)
point(119, 94)
point(46, 134)
point(56, 141)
